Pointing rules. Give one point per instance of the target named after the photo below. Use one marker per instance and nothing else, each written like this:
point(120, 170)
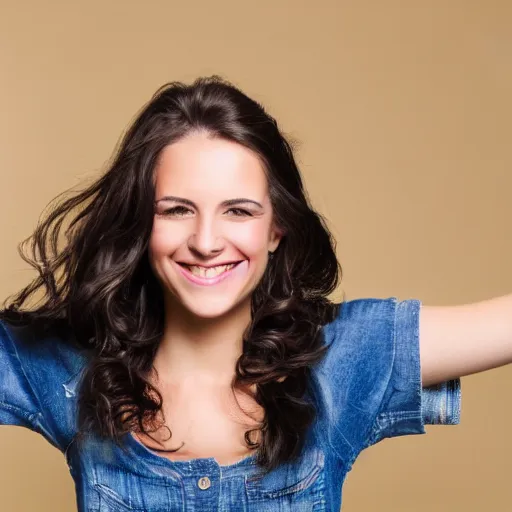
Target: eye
point(178, 210)
point(174, 210)
point(242, 212)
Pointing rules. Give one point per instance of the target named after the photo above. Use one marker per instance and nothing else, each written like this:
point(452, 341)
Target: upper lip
point(192, 264)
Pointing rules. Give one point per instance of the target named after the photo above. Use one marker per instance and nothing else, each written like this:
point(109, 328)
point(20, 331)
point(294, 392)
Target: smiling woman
point(185, 352)
point(201, 170)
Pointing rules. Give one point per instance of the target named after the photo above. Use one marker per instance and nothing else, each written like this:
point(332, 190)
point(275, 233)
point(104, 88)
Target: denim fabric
point(367, 388)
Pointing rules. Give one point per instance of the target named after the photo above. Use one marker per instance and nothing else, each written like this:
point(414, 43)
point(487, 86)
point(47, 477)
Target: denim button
point(204, 483)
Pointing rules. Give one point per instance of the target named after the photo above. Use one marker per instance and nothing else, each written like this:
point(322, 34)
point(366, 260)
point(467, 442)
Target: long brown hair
point(100, 287)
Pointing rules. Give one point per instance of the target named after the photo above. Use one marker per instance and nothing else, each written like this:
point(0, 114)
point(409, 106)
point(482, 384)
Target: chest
point(213, 474)
point(203, 422)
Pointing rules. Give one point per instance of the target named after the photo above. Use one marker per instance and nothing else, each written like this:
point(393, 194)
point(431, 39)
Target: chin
point(210, 308)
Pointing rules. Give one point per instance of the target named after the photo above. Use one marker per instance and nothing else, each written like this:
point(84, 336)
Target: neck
point(201, 348)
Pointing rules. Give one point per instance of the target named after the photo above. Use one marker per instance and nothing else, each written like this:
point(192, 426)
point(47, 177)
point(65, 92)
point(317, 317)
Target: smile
point(207, 277)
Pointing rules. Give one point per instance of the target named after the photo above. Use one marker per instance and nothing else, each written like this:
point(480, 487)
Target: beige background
point(404, 115)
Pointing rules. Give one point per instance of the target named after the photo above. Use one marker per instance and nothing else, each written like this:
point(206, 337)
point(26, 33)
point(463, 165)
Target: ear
point(275, 238)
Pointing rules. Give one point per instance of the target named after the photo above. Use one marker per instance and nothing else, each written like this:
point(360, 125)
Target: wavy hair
point(99, 285)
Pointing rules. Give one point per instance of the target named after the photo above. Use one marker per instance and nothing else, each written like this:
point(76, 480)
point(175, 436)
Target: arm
point(465, 339)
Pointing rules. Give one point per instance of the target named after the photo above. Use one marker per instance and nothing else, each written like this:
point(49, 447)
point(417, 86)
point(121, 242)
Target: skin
point(206, 323)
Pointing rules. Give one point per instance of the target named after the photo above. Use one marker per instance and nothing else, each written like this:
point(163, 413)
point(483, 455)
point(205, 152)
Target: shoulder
point(360, 321)
point(54, 357)
point(41, 375)
point(363, 339)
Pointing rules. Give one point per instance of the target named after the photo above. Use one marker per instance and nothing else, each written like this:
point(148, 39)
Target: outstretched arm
point(464, 339)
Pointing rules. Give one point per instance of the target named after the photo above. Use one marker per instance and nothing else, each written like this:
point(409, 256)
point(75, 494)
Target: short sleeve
point(18, 401)
point(31, 391)
point(406, 406)
point(368, 385)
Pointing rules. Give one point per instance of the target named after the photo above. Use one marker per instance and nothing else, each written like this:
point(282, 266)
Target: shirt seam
point(28, 416)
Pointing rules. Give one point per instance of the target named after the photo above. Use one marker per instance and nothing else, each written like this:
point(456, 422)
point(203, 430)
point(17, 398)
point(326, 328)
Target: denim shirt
point(366, 388)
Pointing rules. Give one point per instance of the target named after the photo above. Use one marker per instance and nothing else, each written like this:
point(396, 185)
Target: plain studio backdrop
point(403, 112)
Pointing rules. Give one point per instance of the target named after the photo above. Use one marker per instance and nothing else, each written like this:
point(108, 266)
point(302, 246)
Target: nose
point(204, 240)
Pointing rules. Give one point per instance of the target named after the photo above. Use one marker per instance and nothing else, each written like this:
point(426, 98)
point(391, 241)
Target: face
point(194, 224)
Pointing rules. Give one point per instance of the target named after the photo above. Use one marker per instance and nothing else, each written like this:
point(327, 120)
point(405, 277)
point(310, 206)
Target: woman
point(185, 355)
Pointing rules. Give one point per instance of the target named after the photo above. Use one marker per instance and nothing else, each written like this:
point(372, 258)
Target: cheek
point(162, 242)
point(253, 239)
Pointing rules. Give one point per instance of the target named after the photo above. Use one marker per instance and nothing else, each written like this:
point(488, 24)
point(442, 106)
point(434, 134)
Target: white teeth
point(209, 272)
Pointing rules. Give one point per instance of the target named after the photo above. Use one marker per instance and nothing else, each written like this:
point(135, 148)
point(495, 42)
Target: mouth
point(209, 276)
point(183, 264)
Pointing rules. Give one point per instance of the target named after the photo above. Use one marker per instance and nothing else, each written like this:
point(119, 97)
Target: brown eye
point(179, 210)
point(241, 213)
point(174, 210)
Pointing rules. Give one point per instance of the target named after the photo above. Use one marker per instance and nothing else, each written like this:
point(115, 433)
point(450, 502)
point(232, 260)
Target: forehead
point(198, 164)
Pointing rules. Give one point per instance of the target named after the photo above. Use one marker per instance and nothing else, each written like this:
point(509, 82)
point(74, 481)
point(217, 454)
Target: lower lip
point(208, 281)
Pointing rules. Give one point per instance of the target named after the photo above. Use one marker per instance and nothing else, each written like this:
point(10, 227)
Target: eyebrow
point(228, 202)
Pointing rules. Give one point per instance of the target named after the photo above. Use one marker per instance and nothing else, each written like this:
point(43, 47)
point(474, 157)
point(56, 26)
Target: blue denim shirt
point(367, 388)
